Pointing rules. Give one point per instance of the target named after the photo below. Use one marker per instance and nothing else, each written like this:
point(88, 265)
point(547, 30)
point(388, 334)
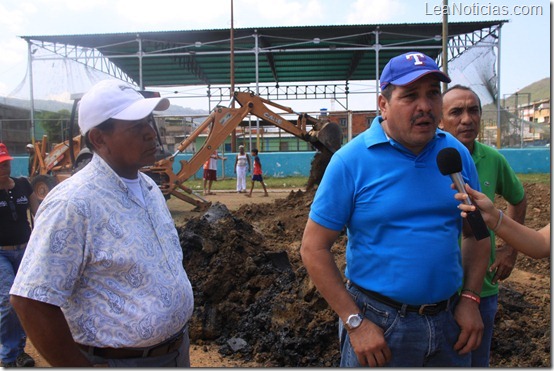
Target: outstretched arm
point(536, 244)
point(506, 255)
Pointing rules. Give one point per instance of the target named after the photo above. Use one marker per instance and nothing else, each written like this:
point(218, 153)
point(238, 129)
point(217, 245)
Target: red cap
point(4, 155)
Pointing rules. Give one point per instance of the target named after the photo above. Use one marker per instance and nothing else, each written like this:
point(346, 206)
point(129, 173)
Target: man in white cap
point(102, 282)
point(404, 267)
point(31, 151)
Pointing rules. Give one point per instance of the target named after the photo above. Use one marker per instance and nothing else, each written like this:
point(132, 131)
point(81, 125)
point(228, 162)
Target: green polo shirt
point(496, 177)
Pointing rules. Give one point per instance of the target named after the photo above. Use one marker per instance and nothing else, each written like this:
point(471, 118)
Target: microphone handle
point(459, 183)
point(478, 225)
point(474, 218)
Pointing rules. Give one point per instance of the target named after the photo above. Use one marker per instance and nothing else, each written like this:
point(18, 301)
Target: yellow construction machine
point(70, 156)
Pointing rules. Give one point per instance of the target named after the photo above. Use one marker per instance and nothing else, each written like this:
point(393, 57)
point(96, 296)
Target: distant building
point(538, 112)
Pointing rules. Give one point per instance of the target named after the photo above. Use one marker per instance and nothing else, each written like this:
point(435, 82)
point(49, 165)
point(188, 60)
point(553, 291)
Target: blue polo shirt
point(401, 217)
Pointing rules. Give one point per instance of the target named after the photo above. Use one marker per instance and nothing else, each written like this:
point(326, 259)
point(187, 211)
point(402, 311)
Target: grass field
point(231, 183)
point(535, 178)
point(300, 182)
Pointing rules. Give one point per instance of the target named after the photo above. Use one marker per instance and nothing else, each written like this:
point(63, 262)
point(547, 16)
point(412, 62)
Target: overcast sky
point(525, 40)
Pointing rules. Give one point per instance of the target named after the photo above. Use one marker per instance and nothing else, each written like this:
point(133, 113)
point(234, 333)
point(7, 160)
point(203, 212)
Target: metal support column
point(498, 129)
point(139, 40)
point(31, 90)
point(444, 42)
point(377, 79)
point(257, 56)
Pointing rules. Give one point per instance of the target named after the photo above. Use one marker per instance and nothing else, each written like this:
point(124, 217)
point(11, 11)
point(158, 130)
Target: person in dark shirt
point(16, 198)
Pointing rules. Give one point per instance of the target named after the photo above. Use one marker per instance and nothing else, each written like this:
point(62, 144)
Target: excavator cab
point(52, 166)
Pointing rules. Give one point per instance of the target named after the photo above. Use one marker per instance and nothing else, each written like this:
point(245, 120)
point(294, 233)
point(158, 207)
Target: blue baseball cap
point(408, 67)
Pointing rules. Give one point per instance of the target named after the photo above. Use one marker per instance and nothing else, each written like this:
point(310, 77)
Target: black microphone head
point(449, 161)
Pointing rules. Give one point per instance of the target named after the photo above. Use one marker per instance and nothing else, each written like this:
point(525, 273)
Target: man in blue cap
point(404, 267)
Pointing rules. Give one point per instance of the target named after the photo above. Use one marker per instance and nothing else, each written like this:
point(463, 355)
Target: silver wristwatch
point(354, 321)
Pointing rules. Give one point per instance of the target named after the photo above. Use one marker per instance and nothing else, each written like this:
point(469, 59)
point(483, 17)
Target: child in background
point(257, 173)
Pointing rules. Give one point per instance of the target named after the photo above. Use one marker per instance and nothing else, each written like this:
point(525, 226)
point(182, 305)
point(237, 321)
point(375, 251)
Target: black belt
point(424, 309)
point(21, 246)
point(168, 346)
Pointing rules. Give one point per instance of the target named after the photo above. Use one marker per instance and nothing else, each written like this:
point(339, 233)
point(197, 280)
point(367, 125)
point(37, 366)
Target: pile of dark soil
point(253, 296)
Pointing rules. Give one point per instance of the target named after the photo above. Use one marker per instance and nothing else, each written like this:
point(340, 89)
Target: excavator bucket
point(330, 135)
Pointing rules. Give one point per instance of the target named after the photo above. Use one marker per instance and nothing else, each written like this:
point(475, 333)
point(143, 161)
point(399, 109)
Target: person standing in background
point(16, 199)
point(210, 173)
point(257, 173)
point(31, 151)
point(242, 166)
point(461, 117)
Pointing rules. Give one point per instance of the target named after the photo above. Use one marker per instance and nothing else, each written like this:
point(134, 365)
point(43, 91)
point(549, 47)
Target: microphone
point(450, 163)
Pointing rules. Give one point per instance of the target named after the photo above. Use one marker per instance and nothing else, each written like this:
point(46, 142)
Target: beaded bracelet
point(499, 221)
point(474, 298)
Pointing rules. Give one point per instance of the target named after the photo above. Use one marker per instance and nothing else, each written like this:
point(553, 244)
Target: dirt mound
point(522, 335)
point(253, 296)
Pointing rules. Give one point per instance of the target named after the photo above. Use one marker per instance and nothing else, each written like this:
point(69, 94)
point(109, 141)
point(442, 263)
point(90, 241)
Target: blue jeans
point(480, 357)
point(12, 336)
point(414, 340)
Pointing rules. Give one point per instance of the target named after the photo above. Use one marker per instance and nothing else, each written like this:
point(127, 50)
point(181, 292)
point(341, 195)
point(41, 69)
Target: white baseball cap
point(118, 100)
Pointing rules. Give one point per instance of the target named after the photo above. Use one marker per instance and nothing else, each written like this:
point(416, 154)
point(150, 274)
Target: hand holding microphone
point(450, 163)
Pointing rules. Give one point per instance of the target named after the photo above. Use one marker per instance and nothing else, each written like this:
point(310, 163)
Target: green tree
point(55, 124)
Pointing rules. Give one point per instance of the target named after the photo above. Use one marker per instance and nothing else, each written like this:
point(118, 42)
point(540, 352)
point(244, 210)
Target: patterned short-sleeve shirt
point(114, 266)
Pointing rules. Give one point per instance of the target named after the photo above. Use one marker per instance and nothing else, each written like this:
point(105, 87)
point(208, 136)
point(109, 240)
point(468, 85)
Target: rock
point(236, 344)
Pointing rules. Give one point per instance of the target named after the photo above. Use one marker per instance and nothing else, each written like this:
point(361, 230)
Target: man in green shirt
point(462, 118)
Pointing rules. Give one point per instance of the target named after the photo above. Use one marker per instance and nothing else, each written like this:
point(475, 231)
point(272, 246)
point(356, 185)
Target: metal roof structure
point(275, 56)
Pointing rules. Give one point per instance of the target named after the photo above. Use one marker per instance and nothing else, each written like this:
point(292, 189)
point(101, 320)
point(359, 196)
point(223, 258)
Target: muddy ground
point(255, 305)
point(255, 302)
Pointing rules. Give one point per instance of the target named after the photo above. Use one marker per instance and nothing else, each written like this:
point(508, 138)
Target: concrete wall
point(528, 160)
point(283, 164)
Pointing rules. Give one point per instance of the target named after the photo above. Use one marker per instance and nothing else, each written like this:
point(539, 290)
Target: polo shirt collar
point(478, 152)
point(376, 135)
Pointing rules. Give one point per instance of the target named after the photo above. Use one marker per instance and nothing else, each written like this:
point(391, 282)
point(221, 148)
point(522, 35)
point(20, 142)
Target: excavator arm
point(222, 121)
point(324, 136)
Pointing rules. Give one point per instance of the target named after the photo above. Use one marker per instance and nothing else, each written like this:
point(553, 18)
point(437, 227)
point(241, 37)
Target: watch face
point(354, 320)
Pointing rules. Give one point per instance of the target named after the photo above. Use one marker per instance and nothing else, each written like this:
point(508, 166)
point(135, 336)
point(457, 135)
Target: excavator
point(70, 156)
point(64, 159)
point(324, 136)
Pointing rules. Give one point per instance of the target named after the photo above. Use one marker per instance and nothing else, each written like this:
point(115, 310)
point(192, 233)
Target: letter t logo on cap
point(415, 57)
